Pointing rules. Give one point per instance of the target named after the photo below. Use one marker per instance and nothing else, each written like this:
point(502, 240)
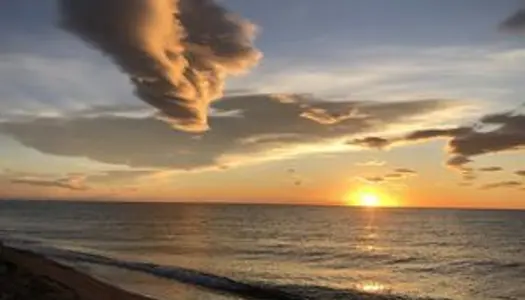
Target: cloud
point(520, 173)
point(371, 163)
point(469, 177)
point(114, 181)
point(419, 135)
point(515, 23)
point(374, 179)
point(467, 170)
point(400, 173)
point(394, 175)
point(503, 184)
point(394, 73)
point(321, 116)
point(508, 135)
point(491, 134)
point(130, 110)
point(371, 142)
point(458, 161)
point(72, 182)
point(272, 123)
point(491, 169)
point(435, 133)
point(405, 171)
point(177, 53)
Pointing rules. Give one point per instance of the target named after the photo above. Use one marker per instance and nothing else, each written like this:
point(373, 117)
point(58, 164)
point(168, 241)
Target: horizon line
point(331, 204)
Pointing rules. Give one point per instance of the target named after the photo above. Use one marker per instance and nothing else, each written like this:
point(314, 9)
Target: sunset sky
point(421, 102)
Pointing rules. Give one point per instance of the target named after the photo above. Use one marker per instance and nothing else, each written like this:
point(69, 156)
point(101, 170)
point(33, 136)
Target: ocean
point(212, 251)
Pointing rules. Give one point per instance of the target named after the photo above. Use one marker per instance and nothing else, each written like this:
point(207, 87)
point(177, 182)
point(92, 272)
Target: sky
point(419, 103)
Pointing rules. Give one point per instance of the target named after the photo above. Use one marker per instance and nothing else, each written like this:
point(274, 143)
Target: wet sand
point(26, 275)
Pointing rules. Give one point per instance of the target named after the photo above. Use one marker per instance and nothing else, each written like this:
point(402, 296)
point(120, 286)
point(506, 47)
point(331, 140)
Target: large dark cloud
point(520, 173)
point(262, 123)
point(515, 23)
point(177, 53)
point(508, 135)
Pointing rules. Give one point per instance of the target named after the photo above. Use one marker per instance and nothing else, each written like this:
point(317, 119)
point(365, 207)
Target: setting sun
point(369, 200)
point(370, 197)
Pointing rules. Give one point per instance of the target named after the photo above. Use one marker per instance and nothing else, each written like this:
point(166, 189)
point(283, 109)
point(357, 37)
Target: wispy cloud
point(73, 182)
point(394, 73)
point(490, 169)
point(469, 177)
point(503, 184)
point(405, 171)
point(396, 174)
point(371, 163)
point(371, 142)
point(35, 85)
point(373, 179)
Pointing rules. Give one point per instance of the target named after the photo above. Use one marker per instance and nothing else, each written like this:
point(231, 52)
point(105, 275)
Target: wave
point(208, 281)
point(489, 263)
point(480, 267)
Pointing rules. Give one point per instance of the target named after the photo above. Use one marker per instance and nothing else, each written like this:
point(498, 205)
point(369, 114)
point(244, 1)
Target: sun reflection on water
point(371, 287)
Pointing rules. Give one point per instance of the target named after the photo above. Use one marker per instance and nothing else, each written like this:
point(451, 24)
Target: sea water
point(212, 251)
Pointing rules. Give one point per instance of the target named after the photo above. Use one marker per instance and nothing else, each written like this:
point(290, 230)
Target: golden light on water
point(371, 287)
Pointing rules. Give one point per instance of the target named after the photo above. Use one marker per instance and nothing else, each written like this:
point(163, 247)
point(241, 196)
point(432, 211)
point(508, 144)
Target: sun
point(369, 200)
point(369, 197)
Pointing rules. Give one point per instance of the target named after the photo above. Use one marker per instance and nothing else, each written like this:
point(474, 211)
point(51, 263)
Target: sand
point(28, 276)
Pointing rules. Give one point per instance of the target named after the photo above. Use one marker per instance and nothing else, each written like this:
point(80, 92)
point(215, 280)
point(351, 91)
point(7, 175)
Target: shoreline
point(27, 275)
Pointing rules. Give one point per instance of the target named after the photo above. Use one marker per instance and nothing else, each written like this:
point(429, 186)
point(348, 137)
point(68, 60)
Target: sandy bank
point(26, 275)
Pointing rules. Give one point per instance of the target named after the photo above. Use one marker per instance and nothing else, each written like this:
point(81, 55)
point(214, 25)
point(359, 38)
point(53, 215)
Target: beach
point(25, 275)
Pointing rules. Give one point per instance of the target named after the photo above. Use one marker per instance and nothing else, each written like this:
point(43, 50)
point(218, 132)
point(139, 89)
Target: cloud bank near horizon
point(247, 128)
